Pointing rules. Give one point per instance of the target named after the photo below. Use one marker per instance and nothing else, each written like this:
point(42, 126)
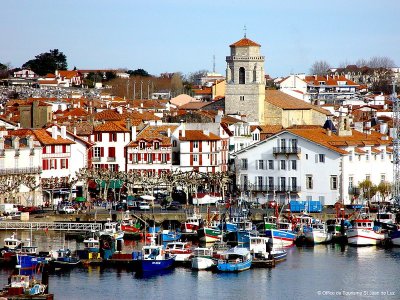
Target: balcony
point(286, 150)
point(111, 159)
point(13, 171)
point(96, 159)
point(354, 191)
point(270, 188)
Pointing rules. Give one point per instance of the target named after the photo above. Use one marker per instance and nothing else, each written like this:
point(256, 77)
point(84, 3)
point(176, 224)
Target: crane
point(396, 147)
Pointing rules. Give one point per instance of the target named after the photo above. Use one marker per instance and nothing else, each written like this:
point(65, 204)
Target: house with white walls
point(310, 163)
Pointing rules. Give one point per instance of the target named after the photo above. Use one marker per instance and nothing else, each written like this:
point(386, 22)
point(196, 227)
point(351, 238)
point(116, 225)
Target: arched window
point(242, 76)
point(255, 74)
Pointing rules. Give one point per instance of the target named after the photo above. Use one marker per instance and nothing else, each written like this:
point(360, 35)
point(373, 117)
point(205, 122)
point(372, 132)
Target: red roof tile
point(244, 42)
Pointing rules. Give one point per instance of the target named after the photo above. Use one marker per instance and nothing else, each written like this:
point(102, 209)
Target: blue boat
point(236, 259)
point(28, 264)
point(62, 258)
point(154, 258)
point(170, 236)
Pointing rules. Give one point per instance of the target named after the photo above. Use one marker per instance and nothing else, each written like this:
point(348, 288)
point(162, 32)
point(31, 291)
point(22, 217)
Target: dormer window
point(142, 145)
point(156, 145)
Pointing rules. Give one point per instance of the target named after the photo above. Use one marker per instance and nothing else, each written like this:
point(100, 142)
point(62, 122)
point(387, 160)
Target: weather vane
point(245, 29)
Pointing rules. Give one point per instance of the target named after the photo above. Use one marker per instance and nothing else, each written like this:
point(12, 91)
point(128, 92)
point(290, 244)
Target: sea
point(319, 272)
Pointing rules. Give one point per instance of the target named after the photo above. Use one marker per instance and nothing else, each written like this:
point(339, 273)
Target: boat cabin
point(203, 252)
point(363, 224)
point(318, 226)
point(12, 242)
point(386, 217)
point(91, 243)
point(178, 246)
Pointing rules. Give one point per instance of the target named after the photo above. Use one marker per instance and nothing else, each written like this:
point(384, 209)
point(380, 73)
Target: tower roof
point(245, 42)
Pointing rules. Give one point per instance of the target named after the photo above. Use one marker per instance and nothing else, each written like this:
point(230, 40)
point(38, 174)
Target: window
point(294, 183)
point(321, 158)
point(63, 163)
point(244, 163)
point(156, 145)
point(294, 164)
point(383, 177)
point(260, 182)
point(142, 145)
point(283, 164)
point(98, 137)
point(351, 185)
point(294, 143)
point(270, 182)
point(149, 158)
point(112, 137)
point(382, 155)
point(309, 182)
point(283, 143)
point(334, 182)
point(241, 98)
point(367, 156)
point(271, 164)
point(164, 158)
point(283, 183)
point(306, 156)
point(96, 152)
point(195, 144)
point(195, 157)
point(261, 165)
point(368, 177)
point(242, 76)
point(53, 164)
point(351, 157)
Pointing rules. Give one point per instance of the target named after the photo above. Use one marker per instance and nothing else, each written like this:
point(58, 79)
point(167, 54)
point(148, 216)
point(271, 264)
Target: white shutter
point(256, 164)
point(316, 158)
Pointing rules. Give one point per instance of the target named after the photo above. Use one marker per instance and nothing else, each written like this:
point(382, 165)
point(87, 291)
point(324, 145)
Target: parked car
point(174, 205)
point(67, 210)
point(144, 205)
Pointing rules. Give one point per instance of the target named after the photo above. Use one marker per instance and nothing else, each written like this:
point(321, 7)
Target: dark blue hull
point(148, 265)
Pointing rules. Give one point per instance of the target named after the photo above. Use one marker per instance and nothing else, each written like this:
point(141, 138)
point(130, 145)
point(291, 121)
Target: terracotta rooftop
point(197, 135)
point(151, 133)
point(244, 42)
point(193, 105)
point(286, 102)
point(110, 126)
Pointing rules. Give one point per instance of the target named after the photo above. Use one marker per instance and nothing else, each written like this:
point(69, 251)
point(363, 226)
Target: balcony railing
point(96, 159)
point(286, 150)
point(111, 159)
point(33, 170)
point(354, 191)
point(270, 188)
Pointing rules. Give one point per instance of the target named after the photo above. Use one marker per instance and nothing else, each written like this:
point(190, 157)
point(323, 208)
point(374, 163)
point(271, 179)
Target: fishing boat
point(279, 231)
point(209, 234)
point(111, 228)
point(395, 237)
point(129, 226)
point(92, 244)
point(363, 233)
point(261, 247)
point(155, 258)
point(28, 248)
point(203, 259)
point(170, 235)
point(27, 262)
point(317, 233)
point(62, 258)
point(24, 287)
point(236, 259)
point(192, 223)
point(12, 242)
point(182, 250)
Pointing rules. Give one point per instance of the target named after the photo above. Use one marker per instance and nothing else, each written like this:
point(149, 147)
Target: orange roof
point(328, 80)
point(45, 138)
point(110, 127)
point(244, 42)
point(47, 82)
point(68, 74)
point(335, 142)
point(284, 101)
point(151, 133)
point(198, 135)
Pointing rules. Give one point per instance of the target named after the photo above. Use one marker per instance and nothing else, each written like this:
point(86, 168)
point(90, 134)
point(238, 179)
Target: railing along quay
point(57, 226)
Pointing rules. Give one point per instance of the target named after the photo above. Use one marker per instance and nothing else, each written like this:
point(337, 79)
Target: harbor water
point(319, 272)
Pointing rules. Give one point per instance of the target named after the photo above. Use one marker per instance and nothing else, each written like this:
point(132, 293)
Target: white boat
point(111, 229)
point(182, 250)
point(192, 223)
point(92, 244)
point(259, 246)
point(317, 233)
point(363, 233)
point(12, 242)
point(28, 248)
point(203, 259)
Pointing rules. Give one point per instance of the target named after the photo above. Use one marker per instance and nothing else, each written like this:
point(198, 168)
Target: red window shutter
point(110, 137)
point(53, 149)
point(139, 157)
point(145, 156)
point(102, 151)
point(191, 146)
point(64, 148)
point(168, 155)
point(191, 160)
point(44, 149)
point(95, 137)
point(154, 156)
point(66, 163)
point(130, 156)
point(200, 146)
point(159, 156)
point(44, 165)
point(55, 164)
point(200, 159)
point(111, 151)
point(116, 168)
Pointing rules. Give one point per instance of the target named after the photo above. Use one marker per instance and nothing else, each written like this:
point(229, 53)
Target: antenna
point(214, 63)
point(245, 30)
point(396, 146)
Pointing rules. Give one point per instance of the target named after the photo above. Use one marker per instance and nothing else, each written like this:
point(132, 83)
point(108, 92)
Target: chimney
point(16, 142)
point(128, 124)
point(328, 132)
point(133, 133)
point(54, 132)
point(383, 128)
point(63, 132)
point(183, 129)
point(30, 142)
point(119, 110)
point(169, 132)
point(74, 128)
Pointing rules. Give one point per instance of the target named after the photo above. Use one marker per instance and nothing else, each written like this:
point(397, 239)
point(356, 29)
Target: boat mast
point(396, 146)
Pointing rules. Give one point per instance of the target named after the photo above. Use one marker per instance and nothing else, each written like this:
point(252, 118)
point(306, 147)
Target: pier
point(56, 226)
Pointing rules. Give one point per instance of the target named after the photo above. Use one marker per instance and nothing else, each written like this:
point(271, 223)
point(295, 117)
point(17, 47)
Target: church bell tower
point(245, 88)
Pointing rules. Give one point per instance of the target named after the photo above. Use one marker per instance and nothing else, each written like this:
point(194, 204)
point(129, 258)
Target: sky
point(183, 36)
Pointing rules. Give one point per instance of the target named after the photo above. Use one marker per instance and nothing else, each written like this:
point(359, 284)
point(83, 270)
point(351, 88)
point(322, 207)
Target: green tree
point(47, 62)
point(110, 75)
point(138, 72)
point(368, 189)
point(384, 188)
point(3, 67)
